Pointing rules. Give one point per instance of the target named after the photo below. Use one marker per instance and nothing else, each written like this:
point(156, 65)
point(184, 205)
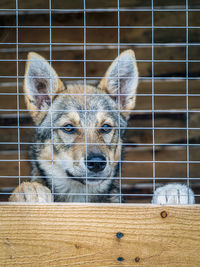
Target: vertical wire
point(51, 109)
point(18, 107)
point(85, 98)
point(119, 92)
point(187, 103)
point(152, 84)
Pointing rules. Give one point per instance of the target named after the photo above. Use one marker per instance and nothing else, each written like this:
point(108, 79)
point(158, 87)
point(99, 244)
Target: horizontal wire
point(106, 44)
point(101, 77)
point(162, 9)
point(106, 60)
point(129, 111)
point(110, 144)
point(110, 161)
point(79, 194)
point(88, 127)
point(100, 94)
point(96, 194)
point(97, 27)
point(109, 178)
point(69, 94)
point(135, 145)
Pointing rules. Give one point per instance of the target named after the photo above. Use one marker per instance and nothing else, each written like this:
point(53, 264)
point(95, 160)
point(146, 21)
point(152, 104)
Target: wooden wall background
point(135, 33)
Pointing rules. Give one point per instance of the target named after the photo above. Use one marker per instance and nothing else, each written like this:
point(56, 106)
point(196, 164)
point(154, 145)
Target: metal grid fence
point(144, 142)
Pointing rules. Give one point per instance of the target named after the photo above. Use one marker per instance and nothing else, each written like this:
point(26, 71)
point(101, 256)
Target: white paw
point(31, 192)
point(173, 194)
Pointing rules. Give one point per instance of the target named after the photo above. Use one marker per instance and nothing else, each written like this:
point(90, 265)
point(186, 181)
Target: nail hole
point(163, 214)
point(137, 259)
point(119, 235)
point(120, 258)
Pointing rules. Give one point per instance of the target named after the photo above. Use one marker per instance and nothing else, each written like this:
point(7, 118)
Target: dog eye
point(106, 128)
point(69, 128)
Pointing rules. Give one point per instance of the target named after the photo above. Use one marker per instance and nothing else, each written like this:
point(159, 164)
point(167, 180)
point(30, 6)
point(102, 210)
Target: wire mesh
point(80, 41)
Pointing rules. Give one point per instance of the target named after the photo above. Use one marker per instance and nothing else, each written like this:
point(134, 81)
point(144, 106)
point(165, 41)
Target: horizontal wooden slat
point(10, 170)
point(103, 35)
point(86, 235)
point(62, 4)
point(75, 67)
point(71, 4)
point(142, 172)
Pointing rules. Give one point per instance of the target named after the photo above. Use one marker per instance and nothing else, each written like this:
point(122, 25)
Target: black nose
point(96, 162)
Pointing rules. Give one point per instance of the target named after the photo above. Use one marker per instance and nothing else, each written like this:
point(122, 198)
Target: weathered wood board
point(135, 33)
point(86, 235)
point(77, 4)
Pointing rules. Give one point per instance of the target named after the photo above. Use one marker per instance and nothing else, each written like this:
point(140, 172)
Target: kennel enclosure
point(80, 39)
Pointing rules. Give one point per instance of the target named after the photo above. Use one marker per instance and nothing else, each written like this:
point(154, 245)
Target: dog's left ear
point(121, 80)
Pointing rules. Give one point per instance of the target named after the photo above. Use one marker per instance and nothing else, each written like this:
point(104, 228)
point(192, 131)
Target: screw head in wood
point(120, 258)
point(163, 214)
point(137, 259)
point(119, 235)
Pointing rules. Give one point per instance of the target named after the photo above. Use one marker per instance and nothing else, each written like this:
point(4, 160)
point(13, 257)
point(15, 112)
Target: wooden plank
point(74, 68)
point(77, 4)
point(104, 35)
point(86, 235)
point(9, 170)
point(142, 173)
point(91, 4)
point(99, 52)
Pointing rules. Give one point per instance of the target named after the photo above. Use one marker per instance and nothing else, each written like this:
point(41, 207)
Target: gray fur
point(63, 182)
point(66, 175)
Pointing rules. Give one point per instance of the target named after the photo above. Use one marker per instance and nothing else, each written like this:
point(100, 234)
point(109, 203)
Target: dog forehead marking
point(70, 117)
point(89, 110)
point(87, 98)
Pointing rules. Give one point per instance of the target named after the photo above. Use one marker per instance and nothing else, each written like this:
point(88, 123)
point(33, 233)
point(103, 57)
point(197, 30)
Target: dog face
point(81, 126)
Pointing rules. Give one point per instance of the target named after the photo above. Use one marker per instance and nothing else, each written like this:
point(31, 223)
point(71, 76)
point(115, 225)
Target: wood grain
point(90, 4)
point(136, 35)
point(85, 235)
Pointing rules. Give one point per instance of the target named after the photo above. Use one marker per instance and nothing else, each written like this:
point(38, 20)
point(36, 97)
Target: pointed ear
point(40, 82)
point(121, 80)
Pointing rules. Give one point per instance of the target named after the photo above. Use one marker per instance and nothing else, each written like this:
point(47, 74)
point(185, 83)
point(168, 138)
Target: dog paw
point(31, 192)
point(173, 194)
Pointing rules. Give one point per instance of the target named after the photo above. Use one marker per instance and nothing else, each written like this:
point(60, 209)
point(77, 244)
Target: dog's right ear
point(41, 83)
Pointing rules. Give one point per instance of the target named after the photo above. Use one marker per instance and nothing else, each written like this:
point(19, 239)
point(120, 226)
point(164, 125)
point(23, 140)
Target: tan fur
point(63, 164)
point(49, 171)
point(31, 192)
